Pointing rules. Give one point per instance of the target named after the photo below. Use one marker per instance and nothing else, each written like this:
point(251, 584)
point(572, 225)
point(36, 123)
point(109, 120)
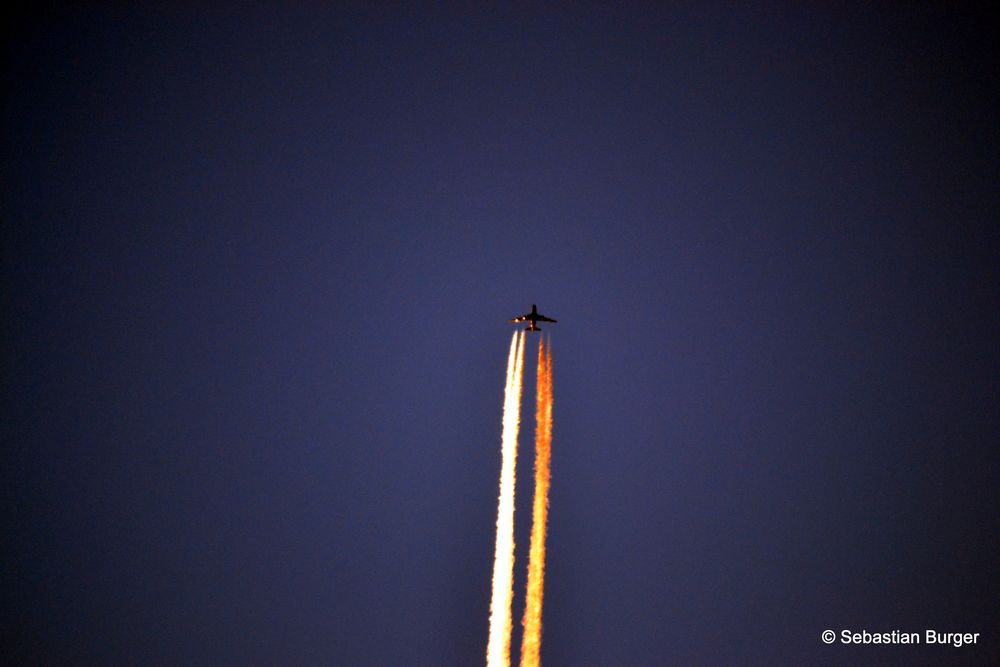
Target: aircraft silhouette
point(532, 318)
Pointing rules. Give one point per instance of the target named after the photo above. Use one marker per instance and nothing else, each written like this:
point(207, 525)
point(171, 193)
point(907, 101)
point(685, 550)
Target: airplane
point(532, 318)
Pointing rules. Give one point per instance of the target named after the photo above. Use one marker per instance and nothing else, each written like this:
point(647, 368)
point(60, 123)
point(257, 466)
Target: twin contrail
point(531, 641)
point(498, 648)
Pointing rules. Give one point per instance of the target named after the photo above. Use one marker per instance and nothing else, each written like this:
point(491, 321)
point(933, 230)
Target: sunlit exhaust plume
point(498, 648)
point(531, 641)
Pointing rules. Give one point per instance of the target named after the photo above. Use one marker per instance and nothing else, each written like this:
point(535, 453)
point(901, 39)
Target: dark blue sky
point(257, 266)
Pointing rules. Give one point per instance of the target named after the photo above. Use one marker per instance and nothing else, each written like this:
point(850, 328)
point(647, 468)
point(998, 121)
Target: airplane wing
point(542, 318)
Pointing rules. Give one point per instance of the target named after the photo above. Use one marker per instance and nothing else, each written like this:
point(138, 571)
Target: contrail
point(531, 641)
point(498, 648)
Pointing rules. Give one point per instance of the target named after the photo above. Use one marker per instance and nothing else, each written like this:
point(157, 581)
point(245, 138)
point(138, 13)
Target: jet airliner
point(532, 318)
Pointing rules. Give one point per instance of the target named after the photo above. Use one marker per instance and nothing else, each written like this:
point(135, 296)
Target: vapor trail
point(531, 641)
point(498, 648)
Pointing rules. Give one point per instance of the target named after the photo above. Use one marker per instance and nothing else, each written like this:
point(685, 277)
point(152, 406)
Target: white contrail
point(498, 648)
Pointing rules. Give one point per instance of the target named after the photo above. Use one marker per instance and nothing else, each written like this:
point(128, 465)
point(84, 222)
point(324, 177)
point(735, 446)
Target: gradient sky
point(256, 270)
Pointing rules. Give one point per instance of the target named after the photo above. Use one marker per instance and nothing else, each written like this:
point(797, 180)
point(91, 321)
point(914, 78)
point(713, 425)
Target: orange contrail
point(531, 641)
point(498, 648)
